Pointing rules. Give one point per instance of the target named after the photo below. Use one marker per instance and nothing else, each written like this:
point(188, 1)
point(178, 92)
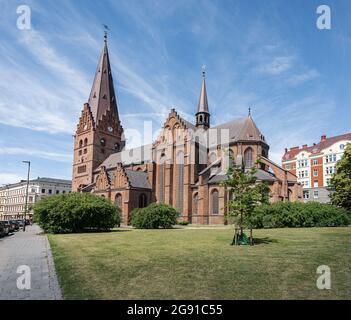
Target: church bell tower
point(99, 131)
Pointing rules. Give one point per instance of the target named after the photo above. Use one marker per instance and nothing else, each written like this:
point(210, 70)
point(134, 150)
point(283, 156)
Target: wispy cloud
point(277, 66)
point(62, 157)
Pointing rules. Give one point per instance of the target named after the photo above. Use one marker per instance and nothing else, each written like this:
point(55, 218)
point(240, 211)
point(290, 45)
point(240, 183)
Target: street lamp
point(26, 205)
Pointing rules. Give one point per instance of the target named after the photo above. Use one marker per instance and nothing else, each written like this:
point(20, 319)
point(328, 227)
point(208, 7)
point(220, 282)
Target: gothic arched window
point(248, 158)
point(142, 200)
point(80, 143)
point(118, 200)
point(215, 202)
point(180, 179)
point(195, 203)
point(85, 141)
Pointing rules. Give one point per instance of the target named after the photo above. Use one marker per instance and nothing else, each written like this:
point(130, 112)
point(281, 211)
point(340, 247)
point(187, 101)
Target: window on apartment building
point(342, 147)
point(328, 180)
point(63, 191)
point(315, 173)
point(306, 194)
point(43, 190)
point(57, 191)
point(315, 184)
point(315, 162)
point(303, 174)
point(315, 194)
point(330, 158)
point(330, 170)
point(50, 191)
point(303, 163)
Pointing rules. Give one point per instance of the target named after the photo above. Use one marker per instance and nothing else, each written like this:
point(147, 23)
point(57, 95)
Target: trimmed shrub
point(76, 212)
point(297, 214)
point(154, 216)
point(183, 223)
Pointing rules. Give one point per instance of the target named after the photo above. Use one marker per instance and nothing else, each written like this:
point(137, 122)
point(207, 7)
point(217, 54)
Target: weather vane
point(106, 29)
point(203, 70)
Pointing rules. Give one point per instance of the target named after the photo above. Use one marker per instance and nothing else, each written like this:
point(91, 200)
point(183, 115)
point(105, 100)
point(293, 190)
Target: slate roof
point(260, 175)
point(316, 148)
point(127, 157)
point(137, 179)
point(242, 129)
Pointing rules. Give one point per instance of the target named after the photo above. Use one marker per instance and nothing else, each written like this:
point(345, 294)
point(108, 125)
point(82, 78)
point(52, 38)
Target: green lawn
point(199, 263)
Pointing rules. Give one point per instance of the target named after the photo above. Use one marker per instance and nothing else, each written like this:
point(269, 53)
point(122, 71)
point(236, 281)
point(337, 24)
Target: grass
point(199, 263)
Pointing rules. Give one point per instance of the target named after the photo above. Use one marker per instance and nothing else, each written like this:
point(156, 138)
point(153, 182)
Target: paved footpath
point(32, 249)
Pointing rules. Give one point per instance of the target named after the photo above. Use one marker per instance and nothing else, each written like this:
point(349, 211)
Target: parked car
point(4, 229)
point(10, 225)
point(20, 222)
point(15, 224)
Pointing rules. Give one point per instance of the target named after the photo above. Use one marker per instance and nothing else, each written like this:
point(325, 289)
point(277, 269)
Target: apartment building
point(13, 196)
point(315, 165)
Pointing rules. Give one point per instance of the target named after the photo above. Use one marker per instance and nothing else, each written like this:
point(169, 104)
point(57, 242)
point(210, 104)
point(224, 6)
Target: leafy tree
point(246, 194)
point(76, 212)
point(341, 181)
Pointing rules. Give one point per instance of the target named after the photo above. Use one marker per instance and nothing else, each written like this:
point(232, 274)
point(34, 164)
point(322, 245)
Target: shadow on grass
point(266, 240)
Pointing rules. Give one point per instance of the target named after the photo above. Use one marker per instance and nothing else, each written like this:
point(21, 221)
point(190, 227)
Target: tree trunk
point(251, 238)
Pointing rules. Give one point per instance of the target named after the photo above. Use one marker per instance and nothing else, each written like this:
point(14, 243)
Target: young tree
point(246, 194)
point(341, 181)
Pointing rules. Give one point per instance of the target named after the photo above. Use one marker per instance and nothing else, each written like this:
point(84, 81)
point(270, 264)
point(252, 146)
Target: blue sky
point(268, 55)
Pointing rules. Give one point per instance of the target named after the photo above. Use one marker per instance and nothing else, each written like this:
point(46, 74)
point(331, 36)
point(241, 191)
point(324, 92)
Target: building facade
point(13, 196)
point(183, 167)
point(314, 165)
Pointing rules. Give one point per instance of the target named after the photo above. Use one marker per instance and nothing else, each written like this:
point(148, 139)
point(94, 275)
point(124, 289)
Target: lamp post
point(26, 203)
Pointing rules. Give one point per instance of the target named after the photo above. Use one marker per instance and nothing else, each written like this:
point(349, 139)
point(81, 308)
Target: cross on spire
point(106, 28)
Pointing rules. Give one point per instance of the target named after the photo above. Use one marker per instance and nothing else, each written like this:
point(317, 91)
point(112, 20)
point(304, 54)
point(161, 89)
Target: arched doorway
point(142, 200)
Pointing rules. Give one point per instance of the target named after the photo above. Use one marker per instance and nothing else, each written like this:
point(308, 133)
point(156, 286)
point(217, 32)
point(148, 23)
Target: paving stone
point(32, 249)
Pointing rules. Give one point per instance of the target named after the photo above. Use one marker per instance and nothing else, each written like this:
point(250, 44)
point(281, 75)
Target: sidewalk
point(33, 250)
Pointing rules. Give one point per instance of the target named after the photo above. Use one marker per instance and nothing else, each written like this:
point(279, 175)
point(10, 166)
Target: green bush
point(154, 216)
point(297, 214)
point(76, 212)
point(183, 223)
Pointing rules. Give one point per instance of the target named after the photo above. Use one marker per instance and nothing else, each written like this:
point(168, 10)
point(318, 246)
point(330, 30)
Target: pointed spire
point(249, 111)
point(203, 115)
point(102, 96)
point(203, 103)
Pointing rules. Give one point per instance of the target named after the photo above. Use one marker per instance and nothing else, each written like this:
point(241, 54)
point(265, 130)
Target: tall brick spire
point(203, 115)
point(102, 96)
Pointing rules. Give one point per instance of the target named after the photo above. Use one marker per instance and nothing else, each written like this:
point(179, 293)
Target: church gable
point(120, 179)
point(102, 180)
point(86, 121)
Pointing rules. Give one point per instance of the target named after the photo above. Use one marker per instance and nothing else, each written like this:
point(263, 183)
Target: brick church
point(184, 167)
